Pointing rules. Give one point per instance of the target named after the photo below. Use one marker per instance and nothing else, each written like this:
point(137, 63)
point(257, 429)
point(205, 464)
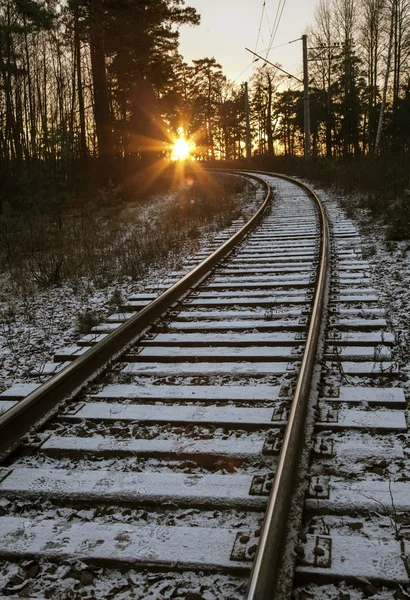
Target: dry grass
point(48, 245)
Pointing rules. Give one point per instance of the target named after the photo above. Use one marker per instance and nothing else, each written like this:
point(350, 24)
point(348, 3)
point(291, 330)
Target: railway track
point(180, 450)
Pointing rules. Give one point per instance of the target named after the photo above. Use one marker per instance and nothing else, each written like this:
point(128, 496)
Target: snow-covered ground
point(32, 328)
point(390, 274)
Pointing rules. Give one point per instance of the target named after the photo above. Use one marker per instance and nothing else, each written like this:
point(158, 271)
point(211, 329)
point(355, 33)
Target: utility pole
point(306, 101)
point(248, 124)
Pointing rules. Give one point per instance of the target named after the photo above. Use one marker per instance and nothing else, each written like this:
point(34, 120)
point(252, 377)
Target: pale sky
point(228, 26)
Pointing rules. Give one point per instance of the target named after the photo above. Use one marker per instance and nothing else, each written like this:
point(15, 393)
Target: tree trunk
point(269, 131)
point(386, 83)
point(101, 100)
point(32, 119)
point(209, 111)
point(80, 91)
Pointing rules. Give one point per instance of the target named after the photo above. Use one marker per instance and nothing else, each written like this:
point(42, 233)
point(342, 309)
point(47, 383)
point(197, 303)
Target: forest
point(93, 92)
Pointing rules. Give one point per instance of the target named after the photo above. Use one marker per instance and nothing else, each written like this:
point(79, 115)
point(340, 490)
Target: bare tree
point(264, 86)
point(323, 38)
point(372, 39)
point(386, 77)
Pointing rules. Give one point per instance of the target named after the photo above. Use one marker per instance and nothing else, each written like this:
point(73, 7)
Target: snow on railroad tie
point(220, 292)
point(373, 338)
point(18, 391)
point(354, 296)
point(358, 496)
point(353, 290)
point(222, 415)
point(280, 260)
point(360, 311)
point(267, 260)
point(118, 318)
point(264, 286)
point(98, 447)
point(352, 279)
point(285, 238)
point(118, 544)
point(227, 282)
point(247, 279)
point(346, 447)
point(352, 271)
point(173, 353)
point(369, 396)
point(246, 272)
point(275, 295)
point(197, 393)
point(344, 265)
point(351, 323)
point(214, 353)
point(286, 250)
point(357, 276)
point(359, 352)
point(292, 226)
point(248, 301)
point(255, 288)
point(340, 558)
point(106, 328)
point(223, 339)
point(370, 369)
point(241, 313)
point(178, 369)
point(5, 405)
point(48, 369)
point(239, 325)
point(91, 339)
point(346, 235)
point(349, 240)
point(292, 239)
point(287, 256)
point(70, 352)
point(341, 416)
point(280, 225)
point(181, 489)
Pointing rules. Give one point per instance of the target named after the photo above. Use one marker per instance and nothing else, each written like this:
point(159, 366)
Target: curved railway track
point(169, 455)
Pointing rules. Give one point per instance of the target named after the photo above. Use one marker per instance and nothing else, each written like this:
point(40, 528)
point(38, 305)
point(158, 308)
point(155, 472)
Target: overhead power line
point(281, 45)
point(279, 20)
point(278, 17)
point(257, 56)
point(276, 66)
point(273, 28)
point(268, 22)
point(260, 24)
point(244, 71)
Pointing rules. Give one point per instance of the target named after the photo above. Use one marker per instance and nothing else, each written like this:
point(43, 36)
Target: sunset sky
point(227, 26)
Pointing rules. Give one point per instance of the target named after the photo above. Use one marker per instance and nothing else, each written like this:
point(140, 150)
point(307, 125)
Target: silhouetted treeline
point(93, 90)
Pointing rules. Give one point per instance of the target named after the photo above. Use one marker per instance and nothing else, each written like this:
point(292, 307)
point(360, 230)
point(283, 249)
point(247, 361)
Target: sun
point(181, 149)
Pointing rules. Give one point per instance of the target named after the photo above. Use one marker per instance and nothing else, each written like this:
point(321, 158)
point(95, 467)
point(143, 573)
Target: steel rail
point(266, 566)
point(35, 408)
